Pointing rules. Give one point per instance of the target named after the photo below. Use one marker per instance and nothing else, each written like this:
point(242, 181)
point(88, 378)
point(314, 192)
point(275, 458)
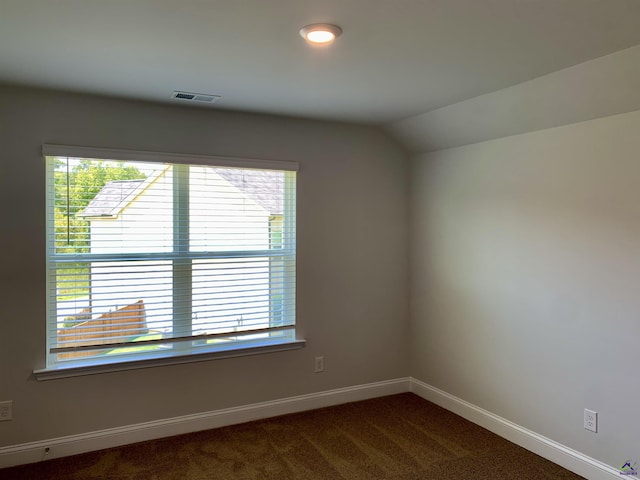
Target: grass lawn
point(153, 346)
point(141, 348)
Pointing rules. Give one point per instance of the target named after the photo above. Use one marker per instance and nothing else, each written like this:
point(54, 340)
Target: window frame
point(175, 356)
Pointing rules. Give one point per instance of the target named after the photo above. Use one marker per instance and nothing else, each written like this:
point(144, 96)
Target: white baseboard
point(74, 444)
point(557, 453)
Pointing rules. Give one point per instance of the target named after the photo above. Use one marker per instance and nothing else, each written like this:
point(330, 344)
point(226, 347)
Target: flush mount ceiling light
point(320, 33)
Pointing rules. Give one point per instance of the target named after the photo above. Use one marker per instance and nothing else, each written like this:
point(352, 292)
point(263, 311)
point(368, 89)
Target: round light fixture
point(320, 33)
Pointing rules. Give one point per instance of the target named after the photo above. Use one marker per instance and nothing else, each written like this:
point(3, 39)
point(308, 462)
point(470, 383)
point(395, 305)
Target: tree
point(75, 187)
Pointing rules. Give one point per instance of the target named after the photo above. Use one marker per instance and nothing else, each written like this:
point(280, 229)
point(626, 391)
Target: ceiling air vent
point(195, 97)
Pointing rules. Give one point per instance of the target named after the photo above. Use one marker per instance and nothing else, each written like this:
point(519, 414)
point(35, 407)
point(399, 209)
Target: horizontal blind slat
point(220, 261)
point(51, 150)
point(170, 340)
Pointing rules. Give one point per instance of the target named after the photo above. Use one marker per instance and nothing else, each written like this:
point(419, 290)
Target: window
point(156, 256)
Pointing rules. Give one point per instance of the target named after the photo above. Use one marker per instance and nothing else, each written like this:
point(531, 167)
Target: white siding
point(217, 217)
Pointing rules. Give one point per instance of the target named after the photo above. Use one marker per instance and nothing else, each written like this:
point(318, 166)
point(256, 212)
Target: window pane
point(231, 295)
point(112, 303)
point(106, 206)
point(233, 209)
point(158, 258)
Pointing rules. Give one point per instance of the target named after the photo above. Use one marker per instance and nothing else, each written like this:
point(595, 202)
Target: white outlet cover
point(6, 411)
point(591, 420)
point(319, 364)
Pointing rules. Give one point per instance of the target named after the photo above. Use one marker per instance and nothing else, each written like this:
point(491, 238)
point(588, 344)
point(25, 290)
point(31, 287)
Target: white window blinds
point(152, 255)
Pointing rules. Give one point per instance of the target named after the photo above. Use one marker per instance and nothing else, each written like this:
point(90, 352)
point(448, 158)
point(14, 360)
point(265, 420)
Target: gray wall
point(525, 265)
point(525, 257)
point(352, 261)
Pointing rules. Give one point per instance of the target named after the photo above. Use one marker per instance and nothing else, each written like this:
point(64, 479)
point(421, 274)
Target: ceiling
point(395, 59)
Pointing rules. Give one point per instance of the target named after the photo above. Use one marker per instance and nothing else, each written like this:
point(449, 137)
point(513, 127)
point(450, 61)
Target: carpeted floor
point(400, 437)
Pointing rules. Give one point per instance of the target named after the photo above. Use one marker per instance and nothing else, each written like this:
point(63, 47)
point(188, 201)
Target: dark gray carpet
point(400, 437)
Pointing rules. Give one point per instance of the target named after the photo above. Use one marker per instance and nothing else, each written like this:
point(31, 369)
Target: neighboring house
point(135, 217)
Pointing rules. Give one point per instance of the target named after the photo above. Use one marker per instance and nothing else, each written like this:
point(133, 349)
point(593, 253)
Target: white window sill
point(165, 358)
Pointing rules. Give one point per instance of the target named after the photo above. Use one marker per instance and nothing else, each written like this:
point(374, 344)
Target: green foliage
point(74, 190)
point(75, 187)
point(73, 282)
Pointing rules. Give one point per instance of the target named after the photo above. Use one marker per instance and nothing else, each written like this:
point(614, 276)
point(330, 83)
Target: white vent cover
point(194, 97)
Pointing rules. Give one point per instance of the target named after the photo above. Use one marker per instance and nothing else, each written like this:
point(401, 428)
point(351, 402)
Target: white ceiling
point(395, 59)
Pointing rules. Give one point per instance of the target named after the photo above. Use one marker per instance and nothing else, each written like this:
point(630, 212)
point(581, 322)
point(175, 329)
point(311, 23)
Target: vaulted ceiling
point(395, 59)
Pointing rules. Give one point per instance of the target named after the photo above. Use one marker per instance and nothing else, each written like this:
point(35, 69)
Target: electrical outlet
point(6, 410)
point(319, 364)
point(591, 420)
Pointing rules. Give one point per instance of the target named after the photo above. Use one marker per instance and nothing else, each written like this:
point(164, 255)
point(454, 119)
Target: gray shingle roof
point(113, 197)
point(264, 187)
